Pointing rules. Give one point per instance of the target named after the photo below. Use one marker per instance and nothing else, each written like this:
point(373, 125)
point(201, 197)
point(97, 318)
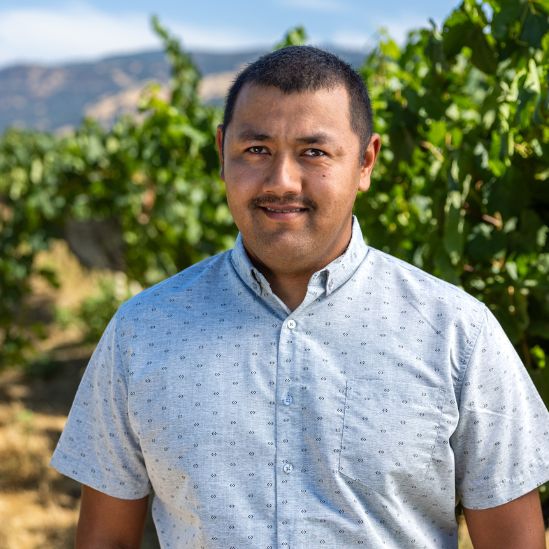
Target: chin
point(288, 256)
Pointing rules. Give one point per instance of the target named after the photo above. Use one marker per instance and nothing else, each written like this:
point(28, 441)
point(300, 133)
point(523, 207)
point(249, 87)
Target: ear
point(369, 161)
point(219, 144)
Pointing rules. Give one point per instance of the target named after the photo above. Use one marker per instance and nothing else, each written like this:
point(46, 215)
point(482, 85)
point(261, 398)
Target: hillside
point(54, 98)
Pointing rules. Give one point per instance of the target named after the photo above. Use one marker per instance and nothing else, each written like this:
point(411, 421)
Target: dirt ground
point(38, 506)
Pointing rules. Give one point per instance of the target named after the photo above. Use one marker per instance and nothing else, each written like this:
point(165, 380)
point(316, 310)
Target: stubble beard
point(283, 252)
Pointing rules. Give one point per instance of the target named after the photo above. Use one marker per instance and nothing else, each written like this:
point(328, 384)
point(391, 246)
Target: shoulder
point(413, 277)
point(203, 278)
point(427, 294)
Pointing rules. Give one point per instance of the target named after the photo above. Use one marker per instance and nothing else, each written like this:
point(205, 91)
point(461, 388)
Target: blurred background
point(109, 179)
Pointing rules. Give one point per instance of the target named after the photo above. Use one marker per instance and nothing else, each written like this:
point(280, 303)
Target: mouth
point(283, 213)
point(283, 210)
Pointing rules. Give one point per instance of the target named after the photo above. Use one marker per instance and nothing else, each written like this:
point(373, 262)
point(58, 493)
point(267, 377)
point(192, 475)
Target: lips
point(283, 204)
point(286, 213)
point(283, 210)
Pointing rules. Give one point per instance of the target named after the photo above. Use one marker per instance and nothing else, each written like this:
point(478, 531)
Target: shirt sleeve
point(98, 446)
point(501, 444)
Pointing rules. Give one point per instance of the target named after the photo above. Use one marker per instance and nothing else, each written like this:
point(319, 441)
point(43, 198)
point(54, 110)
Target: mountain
point(55, 98)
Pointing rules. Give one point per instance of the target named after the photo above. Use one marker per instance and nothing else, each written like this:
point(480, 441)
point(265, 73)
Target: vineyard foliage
point(460, 188)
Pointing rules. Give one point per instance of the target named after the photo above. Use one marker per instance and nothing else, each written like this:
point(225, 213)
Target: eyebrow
point(319, 138)
point(252, 135)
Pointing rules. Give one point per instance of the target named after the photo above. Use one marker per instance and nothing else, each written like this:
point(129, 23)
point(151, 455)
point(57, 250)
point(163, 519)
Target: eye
point(257, 149)
point(314, 152)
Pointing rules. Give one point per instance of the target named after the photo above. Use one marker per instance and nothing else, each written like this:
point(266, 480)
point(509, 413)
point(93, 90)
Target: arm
point(514, 525)
point(107, 522)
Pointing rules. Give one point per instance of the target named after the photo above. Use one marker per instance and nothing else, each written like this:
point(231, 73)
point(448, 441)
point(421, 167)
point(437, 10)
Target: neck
point(290, 288)
point(287, 282)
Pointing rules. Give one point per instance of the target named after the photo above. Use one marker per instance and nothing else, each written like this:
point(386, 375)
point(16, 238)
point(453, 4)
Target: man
point(304, 390)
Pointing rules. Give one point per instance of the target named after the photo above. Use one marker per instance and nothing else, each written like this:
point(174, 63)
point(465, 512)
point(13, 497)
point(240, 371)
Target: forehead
point(269, 107)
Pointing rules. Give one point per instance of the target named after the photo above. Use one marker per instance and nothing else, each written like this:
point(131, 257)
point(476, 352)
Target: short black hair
point(305, 69)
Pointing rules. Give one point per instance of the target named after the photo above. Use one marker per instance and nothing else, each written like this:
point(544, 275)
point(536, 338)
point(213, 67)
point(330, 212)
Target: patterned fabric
point(360, 418)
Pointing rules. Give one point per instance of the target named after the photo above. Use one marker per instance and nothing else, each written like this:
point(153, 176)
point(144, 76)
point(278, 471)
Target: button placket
point(287, 425)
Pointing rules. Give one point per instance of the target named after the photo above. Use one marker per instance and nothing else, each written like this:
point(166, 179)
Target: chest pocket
point(389, 433)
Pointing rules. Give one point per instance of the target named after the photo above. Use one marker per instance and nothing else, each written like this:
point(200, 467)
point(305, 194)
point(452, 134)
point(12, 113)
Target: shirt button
point(288, 400)
point(291, 324)
point(288, 468)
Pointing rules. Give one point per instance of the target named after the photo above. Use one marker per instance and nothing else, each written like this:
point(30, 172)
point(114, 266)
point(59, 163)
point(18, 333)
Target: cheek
point(242, 178)
point(234, 199)
point(238, 201)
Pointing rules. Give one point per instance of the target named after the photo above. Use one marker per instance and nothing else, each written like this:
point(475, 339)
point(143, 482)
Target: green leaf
point(538, 354)
point(483, 55)
point(534, 27)
point(453, 227)
point(294, 37)
point(456, 33)
point(444, 267)
point(389, 48)
point(507, 19)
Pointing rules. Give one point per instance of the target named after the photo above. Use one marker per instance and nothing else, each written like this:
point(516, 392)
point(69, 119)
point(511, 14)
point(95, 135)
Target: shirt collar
point(330, 278)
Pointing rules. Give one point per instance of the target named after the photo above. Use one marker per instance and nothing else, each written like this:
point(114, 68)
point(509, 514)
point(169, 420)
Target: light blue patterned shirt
point(360, 418)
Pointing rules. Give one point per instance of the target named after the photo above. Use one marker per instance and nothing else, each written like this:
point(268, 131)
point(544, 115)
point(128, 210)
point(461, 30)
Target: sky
point(67, 30)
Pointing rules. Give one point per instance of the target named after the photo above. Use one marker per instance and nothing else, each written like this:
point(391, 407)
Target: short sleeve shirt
point(360, 418)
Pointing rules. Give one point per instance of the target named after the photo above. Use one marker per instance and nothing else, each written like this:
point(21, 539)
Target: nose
point(283, 176)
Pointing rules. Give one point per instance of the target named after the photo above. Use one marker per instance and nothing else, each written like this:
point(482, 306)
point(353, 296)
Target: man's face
point(292, 170)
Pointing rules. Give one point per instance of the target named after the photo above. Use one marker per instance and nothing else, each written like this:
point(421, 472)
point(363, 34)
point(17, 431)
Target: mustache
point(288, 199)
